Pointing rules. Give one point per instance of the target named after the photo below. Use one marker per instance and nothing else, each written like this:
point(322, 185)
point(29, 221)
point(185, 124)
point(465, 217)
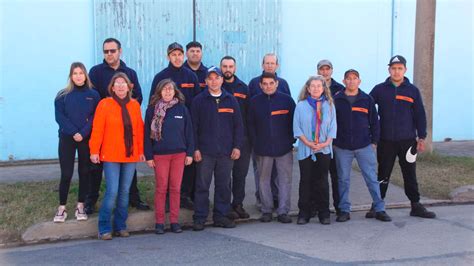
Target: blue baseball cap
point(214, 69)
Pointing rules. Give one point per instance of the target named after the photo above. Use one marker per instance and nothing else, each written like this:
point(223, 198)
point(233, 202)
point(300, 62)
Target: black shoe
point(89, 208)
point(417, 209)
point(302, 220)
point(239, 209)
point(232, 215)
point(370, 214)
point(382, 216)
point(187, 203)
point(140, 205)
point(159, 229)
point(176, 228)
point(343, 217)
point(284, 218)
point(266, 218)
point(198, 226)
point(324, 220)
point(224, 222)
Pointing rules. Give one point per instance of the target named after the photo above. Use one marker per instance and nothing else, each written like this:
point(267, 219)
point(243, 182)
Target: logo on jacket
point(178, 116)
point(410, 157)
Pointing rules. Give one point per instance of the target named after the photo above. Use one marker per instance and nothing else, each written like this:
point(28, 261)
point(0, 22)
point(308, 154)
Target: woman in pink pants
point(169, 146)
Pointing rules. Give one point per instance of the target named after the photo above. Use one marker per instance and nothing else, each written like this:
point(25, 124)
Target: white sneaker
point(81, 216)
point(60, 216)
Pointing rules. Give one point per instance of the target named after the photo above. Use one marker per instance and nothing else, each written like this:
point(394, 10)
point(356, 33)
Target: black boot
point(417, 209)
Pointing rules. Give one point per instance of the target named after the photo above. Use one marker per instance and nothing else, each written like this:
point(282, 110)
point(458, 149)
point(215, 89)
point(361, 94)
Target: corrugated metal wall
point(245, 30)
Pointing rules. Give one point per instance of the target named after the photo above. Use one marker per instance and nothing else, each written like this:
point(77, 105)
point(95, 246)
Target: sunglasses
point(110, 51)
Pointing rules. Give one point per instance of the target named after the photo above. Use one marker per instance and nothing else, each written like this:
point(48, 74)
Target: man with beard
point(233, 85)
point(194, 62)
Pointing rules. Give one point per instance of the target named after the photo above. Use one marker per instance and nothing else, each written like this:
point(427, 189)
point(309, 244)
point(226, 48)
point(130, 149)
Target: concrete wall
point(39, 40)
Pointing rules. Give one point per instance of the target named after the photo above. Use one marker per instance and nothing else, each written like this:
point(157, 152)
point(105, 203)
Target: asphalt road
point(446, 240)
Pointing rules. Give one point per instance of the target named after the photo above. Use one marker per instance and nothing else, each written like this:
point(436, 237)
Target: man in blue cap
point(218, 134)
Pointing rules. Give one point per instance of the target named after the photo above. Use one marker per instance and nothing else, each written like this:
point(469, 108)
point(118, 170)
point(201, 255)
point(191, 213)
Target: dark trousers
point(96, 179)
point(314, 181)
point(189, 181)
point(334, 182)
point(387, 151)
point(221, 168)
point(67, 155)
point(239, 174)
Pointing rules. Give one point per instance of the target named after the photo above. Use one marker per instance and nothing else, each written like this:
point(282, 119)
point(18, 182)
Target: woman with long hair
point(74, 110)
point(169, 146)
point(117, 141)
point(314, 125)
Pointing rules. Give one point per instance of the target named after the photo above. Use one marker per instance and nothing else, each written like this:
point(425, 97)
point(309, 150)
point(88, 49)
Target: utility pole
point(424, 60)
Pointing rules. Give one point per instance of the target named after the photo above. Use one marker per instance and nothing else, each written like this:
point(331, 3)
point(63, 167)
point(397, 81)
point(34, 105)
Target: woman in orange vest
point(117, 140)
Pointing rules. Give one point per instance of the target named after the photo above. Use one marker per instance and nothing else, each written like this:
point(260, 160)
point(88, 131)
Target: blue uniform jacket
point(74, 111)
point(176, 132)
point(254, 86)
point(358, 123)
point(401, 111)
point(217, 126)
point(101, 75)
point(201, 73)
point(184, 78)
point(241, 92)
point(335, 87)
point(270, 123)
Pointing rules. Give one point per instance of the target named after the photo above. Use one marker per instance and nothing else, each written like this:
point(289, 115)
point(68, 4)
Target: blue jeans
point(368, 164)
point(118, 178)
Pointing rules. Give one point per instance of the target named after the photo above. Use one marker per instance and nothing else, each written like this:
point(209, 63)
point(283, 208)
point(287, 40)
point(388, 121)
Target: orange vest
point(107, 138)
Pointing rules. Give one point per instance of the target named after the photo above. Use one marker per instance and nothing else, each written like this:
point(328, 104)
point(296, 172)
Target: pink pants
point(168, 171)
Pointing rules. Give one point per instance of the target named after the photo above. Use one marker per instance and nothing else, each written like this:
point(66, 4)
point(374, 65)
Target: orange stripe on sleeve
point(404, 98)
point(360, 109)
point(240, 95)
point(226, 110)
point(187, 85)
point(280, 112)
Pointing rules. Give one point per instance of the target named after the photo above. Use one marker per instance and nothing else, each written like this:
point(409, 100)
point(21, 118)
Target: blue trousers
point(221, 168)
point(368, 164)
point(118, 178)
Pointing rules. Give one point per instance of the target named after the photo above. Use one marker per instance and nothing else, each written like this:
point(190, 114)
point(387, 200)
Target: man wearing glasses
point(100, 76)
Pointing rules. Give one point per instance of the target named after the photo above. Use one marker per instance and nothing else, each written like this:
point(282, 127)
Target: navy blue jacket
point(217, 127)
point(357, 123)
point(254, 86)
point(74, 111)
point(102, 74)
point(401, 111)
point(201, 73)
point(176, 132)
point(240, 91)
point(335, 87)
point(270, 122)
point(184, 78)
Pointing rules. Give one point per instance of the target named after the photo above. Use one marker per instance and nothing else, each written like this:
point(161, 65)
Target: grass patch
point(438, 175)
point(25, 204)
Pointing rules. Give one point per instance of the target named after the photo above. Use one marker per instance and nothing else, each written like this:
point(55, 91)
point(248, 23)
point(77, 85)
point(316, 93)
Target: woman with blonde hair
point(117, 140)
point(74, 110)
point(314, 125)
point(169, 146)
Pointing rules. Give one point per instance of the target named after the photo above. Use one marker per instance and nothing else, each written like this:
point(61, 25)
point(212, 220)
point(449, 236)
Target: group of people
point(203, 122)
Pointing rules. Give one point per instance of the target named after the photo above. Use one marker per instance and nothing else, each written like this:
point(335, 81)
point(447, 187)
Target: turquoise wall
point(39, 40)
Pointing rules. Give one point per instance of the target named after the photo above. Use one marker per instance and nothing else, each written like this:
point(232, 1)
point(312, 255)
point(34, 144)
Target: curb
point(144, 222)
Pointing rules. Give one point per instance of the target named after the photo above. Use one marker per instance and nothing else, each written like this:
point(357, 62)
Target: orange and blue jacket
point(107, 137)
point(401, 111)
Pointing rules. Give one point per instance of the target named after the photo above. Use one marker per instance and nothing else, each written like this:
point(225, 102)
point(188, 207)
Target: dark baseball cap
point(175, 46)
point(398, 59)
point(351, 71)
point(213, 69)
